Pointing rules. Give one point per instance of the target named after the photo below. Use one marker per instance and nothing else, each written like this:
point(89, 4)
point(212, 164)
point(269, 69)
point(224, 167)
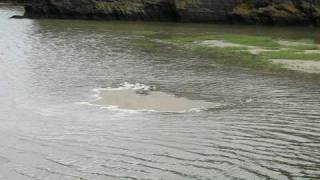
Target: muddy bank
point(283, 12)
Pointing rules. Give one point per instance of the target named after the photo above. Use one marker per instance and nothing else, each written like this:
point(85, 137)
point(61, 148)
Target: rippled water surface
point(268, 129)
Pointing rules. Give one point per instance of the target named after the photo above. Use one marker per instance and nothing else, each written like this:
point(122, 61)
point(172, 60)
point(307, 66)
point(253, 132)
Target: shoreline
point(169, 20)
point(283, 12)
point(256, 52)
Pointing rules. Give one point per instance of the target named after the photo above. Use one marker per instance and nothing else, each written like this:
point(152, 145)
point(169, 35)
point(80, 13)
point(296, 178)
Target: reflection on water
point(269, 128)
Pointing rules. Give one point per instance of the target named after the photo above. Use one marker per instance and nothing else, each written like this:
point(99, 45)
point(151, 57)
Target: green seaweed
point(237, 56)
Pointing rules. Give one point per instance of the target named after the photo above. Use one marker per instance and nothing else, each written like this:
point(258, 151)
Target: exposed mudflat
point(312, 52)
point(299, 65)
point(254, 50)
point(300, 55)
point(220, 44)
point(292, 43)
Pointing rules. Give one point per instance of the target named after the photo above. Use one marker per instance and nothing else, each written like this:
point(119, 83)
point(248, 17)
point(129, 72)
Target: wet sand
point(154, 101)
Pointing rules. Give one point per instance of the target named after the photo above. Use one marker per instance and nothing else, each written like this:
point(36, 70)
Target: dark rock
point(206, 11)
point(212, 11)
point(163, 10)
point(277, 12)
point(17, 17)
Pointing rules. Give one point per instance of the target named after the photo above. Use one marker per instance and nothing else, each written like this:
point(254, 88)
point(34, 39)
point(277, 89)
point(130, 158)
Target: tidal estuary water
point(264, 126)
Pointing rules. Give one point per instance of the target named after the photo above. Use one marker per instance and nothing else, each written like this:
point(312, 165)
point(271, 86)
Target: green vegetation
point(241, 50)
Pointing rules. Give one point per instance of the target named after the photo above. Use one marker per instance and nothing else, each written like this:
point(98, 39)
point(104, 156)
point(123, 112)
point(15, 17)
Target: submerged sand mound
point(140, 97)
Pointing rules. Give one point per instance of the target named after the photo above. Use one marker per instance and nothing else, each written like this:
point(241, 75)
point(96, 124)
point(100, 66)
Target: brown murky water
point(267, 128)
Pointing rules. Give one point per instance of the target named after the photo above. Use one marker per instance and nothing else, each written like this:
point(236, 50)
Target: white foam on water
point(125, 86)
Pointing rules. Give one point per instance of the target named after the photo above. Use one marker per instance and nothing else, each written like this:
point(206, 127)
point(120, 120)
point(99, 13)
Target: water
point(268, 129)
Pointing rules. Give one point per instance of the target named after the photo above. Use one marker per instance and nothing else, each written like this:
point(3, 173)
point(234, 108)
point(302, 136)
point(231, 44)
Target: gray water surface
point(269, 128)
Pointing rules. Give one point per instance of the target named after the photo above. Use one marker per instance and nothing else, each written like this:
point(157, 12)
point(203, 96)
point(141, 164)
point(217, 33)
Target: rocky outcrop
point(230, 11)
point(103, 9)
point(278, 12)
point(13, 1)
point(253, 11)
point(206, 10)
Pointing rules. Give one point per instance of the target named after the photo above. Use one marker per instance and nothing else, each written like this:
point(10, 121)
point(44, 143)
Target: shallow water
point(268, 129)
